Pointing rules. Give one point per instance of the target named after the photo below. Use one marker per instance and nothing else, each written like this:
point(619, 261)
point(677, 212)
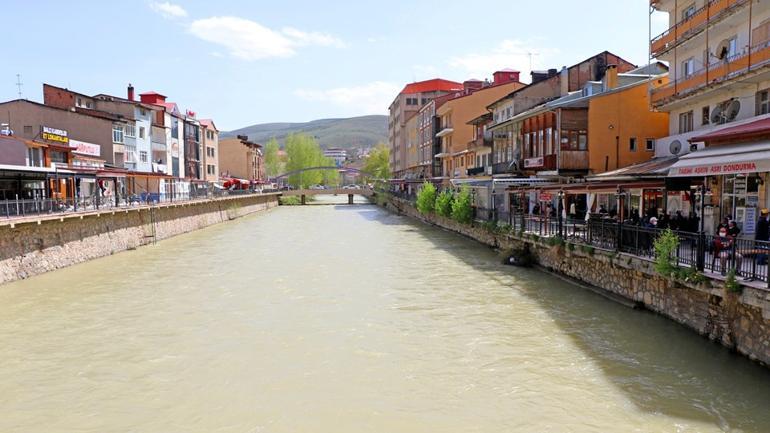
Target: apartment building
point(210, 155)
point(407, 102)
point(167, 155)
point(718, 98)
point(458, 151)
point(241, 158)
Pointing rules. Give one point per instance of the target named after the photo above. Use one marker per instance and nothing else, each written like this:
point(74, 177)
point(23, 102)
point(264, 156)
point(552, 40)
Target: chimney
point(611, 77)
point(130, 92)
point(471, 86)
point(564, 80)
point(505, 76)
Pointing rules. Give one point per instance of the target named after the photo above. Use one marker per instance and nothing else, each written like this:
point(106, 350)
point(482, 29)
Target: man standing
point(762, 234)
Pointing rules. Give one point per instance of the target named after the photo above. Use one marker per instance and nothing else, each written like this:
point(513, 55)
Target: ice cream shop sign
point(721, 168)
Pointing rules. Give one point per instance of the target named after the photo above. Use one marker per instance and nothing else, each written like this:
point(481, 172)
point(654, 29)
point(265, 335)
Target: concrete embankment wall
point(739, 321)
point(36, 245)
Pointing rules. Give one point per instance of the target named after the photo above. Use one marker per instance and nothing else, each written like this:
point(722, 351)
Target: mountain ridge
point(346, 132)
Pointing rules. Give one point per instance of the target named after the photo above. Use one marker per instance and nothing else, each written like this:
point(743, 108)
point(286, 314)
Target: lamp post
point(560, 209)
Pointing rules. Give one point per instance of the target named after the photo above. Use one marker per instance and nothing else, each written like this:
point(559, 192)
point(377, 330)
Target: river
point(349, 319)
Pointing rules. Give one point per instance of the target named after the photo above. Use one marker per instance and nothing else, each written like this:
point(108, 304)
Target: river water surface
point(349, 319)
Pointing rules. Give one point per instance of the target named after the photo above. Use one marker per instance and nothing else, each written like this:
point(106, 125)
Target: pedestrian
point(762, 236)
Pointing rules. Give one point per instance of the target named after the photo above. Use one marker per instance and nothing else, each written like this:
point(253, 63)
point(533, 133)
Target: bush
point(444, 203)
point(665, 248)
point(290, 200)
point(731, 283)
point(462, 208)
point(426, 198)
point(556, 241)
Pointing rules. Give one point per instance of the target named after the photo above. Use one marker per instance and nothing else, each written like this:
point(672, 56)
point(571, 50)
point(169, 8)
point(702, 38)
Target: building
point(533, 133)
point(458, 150)
point(338, 155)
point(210, 144)
point(409, 100)
point(718, 98)
point(192, 147)
point(241, 158)
point(171, 120)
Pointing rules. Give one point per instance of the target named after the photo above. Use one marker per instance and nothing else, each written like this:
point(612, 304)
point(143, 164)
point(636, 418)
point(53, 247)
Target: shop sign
point(53, 134)
point(546, 196)
point(84, 148)
point(533, 162)
point(722, 168)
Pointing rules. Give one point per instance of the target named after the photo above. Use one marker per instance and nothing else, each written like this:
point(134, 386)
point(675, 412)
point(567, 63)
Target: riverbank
point(35, 245)
point(738, 321)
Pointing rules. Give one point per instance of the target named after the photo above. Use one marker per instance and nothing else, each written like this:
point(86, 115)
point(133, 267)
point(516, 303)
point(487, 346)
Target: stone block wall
point(740, 322)
point(35, 246)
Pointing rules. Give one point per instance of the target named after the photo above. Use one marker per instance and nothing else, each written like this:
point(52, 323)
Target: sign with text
point(53, 134)
point(546, 196)
point(84, 148)
point(533, 162)
point(722, 168)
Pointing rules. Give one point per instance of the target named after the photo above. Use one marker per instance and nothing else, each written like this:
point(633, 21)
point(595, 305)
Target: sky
point(248, 62)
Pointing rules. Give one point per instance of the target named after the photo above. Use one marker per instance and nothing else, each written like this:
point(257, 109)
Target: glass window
point(117, 134)
point(174, 128)
point(763, 102)
point(583, 140)
point(141, 132)
point(143, 156)
point(685, 122)
point(649, 144)
point(130, 131)
point(705, 115)
point(632, 144)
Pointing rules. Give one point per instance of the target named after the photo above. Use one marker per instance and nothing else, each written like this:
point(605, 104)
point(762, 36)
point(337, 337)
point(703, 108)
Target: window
point(27, 129)
point(174, 128)
point(688, 12)
point(732, 48)
point(685, 122)
point(582, 140)
point(705, 114)
point(763, 103)
point(143, 156)
point(688, 67)
point(141, 132)
point(117, 134)
point(130, 131)
point(632, 144)
point(649, 144)
point(34, 157)
point(79, 102)
point(142, 111)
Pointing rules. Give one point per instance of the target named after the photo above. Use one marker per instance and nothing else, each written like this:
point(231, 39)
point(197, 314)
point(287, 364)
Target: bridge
point(335, 168)
point(303, 193)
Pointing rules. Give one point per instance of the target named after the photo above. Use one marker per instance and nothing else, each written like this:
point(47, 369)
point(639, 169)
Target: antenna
point(530, 54)
point(19, 84)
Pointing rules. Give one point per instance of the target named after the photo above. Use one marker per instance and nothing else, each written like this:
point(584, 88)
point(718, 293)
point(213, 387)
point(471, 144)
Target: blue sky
point(246, 62)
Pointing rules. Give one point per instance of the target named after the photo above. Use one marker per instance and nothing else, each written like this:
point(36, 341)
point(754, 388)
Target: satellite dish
point(693, 147)
point(732, 110)
point(675, 147)
point(722, 49)
point(716, 115)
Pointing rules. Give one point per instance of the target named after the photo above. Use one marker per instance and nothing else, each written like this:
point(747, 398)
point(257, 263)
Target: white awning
point(728, 159)
point(445, 131)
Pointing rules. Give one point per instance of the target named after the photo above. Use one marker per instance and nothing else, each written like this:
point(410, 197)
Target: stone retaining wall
point(739, 321)
point(34, 246)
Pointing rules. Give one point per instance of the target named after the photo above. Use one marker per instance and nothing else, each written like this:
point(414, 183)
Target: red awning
point(739, 132)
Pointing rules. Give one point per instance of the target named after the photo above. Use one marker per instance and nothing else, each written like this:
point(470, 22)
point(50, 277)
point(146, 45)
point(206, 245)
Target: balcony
point(736, 66)
point(573, 160)
point(158, 147)
point(540, 163)
point(475, 171)
point(685, 29)
point(506, 167)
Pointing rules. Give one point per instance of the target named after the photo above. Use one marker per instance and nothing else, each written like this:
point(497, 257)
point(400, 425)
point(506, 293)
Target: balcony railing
point(158, 147)
point(475, 171)
point(693, 24)
point(540, 163)
point(506, 167)
point(733, 67)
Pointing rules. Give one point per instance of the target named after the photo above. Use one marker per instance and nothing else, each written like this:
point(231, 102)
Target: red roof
point(208, 123)
point(434, 85)
point(152, 93)
point(747, 130)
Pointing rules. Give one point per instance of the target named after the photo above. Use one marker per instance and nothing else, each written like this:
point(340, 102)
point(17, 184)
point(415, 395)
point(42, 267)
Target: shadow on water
point(661, 366)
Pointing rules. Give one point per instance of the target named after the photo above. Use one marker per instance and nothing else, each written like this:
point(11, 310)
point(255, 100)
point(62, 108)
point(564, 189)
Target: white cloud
point(168, 10)
point(301, 38)
point(370, 98)
point(509, 53)
point(249, 40)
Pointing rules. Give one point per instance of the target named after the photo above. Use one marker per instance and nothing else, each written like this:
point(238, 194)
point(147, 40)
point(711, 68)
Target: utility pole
point(531, 54)
point(19, 84)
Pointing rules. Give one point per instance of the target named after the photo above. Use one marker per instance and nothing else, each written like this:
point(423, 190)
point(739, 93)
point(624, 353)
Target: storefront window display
point(740, 199)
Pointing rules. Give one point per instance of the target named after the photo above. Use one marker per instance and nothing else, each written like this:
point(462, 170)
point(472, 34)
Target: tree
point(304, 152)
point(377, 164)
point(330, 177)
point(462, 208)
point(444, 203)
point(272, 161)
point(426, 198)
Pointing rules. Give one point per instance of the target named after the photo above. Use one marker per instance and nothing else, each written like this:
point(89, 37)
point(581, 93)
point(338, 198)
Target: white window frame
point(143, 155)
point(117, 134)
point(130, 131)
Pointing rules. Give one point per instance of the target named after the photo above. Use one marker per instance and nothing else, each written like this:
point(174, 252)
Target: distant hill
point(354, 132)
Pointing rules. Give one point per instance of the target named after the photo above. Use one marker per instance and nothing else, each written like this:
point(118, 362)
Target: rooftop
point(434, 85)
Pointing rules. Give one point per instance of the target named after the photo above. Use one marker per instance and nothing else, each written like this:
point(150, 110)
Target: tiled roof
point(434, 85)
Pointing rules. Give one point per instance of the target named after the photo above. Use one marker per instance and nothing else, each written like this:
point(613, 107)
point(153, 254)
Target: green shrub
point(290, 200)
point(490, 226)
point(462, 208)
point(731, 283)
point(426, 198)
point(571, 246)
point(665, 249)
point(444, 203)
point(556, 241)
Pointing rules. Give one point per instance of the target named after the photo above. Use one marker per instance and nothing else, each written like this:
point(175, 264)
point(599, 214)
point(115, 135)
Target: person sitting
point(724, 248)
point(733, 229)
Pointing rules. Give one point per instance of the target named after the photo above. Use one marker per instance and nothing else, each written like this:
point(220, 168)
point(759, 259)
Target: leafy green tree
point(426, 198)
point(330, 177)
point(462, 208)
point(665, 246)
point(272, 161)
point(303, 152)
point(377, 164)
point(444, 203)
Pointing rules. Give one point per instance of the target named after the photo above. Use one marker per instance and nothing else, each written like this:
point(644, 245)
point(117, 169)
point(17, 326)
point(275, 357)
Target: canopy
point(728, 159)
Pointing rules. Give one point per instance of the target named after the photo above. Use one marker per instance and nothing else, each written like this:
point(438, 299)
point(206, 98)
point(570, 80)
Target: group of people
point(664, 220)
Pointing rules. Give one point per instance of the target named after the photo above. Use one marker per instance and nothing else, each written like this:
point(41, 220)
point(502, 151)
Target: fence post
point(700, 260)
point(619, 239)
